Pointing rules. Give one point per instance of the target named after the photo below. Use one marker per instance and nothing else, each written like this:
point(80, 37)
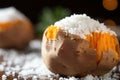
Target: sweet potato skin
point(17, 36)
point(71, 55)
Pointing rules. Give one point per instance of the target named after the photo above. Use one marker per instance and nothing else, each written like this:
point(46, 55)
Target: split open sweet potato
point(69, 54)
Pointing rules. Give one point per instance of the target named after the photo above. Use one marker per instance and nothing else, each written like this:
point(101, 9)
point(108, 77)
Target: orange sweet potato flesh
point(6, 25)
point(70, 55)
point(103, 42)
point(52, 32)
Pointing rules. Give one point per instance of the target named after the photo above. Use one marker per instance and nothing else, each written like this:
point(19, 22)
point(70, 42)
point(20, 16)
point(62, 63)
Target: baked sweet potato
point(69, 54)
point(16, 31)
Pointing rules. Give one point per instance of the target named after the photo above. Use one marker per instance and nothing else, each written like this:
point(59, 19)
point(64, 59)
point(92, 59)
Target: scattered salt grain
point(8, 73)
point(73, 78)
point(1, 67)
point(34, 78)
point(4, 77)
point(89, 77)
point(36, 44)
point(15, 79)
point(32, 65)
point(13, 73)
point(61, 78)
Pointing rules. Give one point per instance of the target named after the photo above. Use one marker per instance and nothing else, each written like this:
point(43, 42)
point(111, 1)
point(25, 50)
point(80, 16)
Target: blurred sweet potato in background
point(16, 30)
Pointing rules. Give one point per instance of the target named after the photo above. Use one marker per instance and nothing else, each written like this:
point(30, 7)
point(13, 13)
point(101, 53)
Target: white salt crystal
point(4, 77)
point(61, 78)
point(13, 73)
point(73, 78)
point(1, 67)
point(8, 73)
point(81, 24)
point(89, 77)
point(16, 68)
point(34, 78)
point(15, 79)
point(10, 13)
point(36, 44)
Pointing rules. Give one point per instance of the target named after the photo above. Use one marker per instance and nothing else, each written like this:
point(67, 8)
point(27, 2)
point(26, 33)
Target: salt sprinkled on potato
point(78, 45)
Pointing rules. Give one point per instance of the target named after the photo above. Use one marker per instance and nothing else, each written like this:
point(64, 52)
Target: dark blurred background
point(93, 8)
